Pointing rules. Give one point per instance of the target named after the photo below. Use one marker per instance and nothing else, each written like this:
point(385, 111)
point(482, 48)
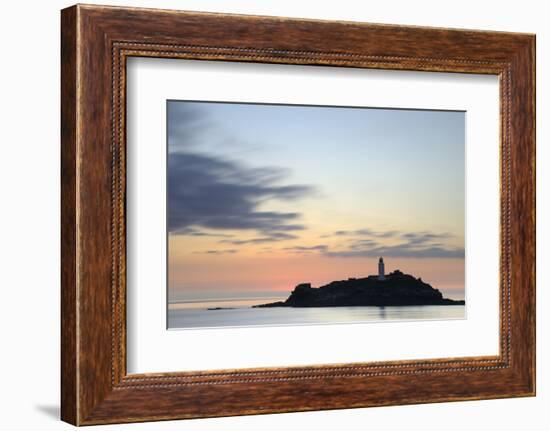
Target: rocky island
point(394, 289)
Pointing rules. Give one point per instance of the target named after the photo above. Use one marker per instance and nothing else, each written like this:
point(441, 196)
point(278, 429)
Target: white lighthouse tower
point(381, 275)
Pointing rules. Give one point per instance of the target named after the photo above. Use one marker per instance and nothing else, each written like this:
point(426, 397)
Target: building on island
point(381, 271)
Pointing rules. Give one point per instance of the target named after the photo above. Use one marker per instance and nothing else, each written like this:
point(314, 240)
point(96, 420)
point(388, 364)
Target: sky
point(264, 197)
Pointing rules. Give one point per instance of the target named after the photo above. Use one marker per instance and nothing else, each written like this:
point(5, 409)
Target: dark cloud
point(418, 237)
point(305, 249)
point(214, 193)
point(273, 237)
point(424, 237)
point(370, 243)
point(363, 243)
point(410, 244)
point(402, 250)
point(189, 231)
point(231, 251)
point(366, 232)
point(186, 124)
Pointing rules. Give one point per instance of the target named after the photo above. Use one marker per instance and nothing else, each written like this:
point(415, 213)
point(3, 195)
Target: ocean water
point(238, 312)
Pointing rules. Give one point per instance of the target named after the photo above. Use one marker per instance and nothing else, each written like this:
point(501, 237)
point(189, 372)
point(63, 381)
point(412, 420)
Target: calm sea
point(238, 312)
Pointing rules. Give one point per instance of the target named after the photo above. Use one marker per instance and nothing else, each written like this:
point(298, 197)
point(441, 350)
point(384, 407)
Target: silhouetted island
point(393, 289)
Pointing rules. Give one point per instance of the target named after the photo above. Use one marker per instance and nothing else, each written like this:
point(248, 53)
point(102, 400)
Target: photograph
point(300, 215)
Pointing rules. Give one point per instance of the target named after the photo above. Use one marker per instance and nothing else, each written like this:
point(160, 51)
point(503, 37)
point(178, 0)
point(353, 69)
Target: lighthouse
point(381, 275)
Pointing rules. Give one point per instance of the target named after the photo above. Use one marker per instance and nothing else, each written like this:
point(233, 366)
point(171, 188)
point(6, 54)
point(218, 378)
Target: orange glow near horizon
point(280, 271)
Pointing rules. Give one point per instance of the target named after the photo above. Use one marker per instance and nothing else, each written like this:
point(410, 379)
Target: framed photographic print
point(277, 207)
point(256, 230)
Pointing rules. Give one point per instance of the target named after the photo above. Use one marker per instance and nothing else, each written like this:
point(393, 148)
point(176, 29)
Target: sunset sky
point(264, 197)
